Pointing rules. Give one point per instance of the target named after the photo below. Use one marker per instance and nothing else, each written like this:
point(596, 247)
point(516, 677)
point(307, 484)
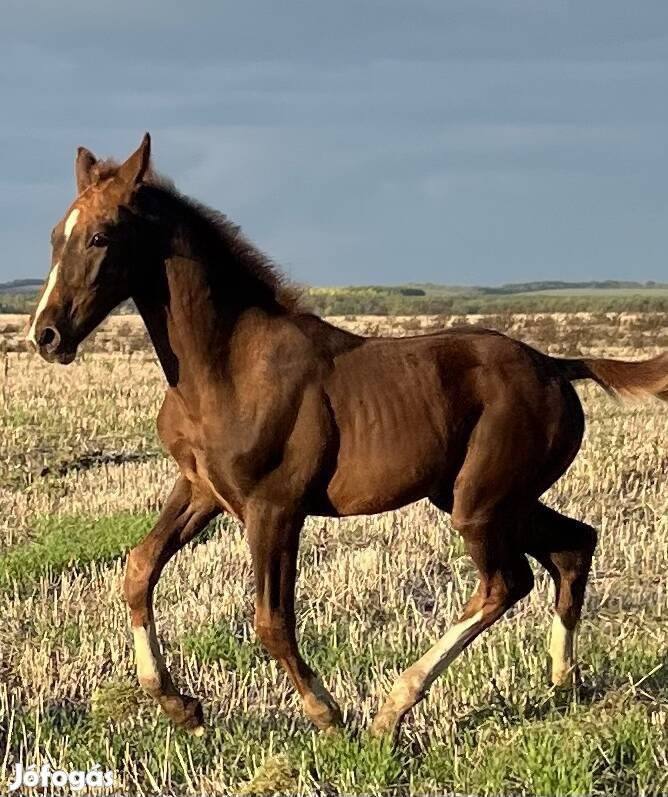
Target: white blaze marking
point(53, 276)
point(562, 650)
point(50, 285)
point(147, 671)
point(420, 676)
point(71, 221)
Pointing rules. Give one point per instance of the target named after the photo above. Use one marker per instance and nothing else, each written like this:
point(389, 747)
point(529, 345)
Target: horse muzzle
point(53, 348)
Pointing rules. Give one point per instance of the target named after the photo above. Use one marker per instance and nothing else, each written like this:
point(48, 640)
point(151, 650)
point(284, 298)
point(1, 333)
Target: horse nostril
point(49, 338)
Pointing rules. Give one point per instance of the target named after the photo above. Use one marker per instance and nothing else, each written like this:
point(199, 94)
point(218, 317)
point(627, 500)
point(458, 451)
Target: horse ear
point(83, 163)
point(133, 170)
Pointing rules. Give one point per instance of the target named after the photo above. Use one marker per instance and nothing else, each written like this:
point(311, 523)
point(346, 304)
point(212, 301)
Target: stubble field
point(82, 476)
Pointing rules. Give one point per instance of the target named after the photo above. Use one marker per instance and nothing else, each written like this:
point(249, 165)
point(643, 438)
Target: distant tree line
point(551, 285)
point(376, 302)
point(19, 296)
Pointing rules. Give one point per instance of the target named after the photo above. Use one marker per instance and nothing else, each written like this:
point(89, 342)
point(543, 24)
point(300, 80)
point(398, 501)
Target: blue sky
point(358, 142)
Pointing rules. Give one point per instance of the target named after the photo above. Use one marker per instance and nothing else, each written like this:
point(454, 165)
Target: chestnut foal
point(273, 414)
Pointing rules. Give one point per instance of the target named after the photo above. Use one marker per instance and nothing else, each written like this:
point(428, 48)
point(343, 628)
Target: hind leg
point(565, 547)
point(505, 578)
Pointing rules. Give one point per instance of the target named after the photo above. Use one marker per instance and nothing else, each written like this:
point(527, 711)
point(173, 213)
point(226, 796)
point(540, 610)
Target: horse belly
point(387, 468)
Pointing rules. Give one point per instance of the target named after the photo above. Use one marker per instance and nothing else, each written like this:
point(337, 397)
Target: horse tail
point(621, 378)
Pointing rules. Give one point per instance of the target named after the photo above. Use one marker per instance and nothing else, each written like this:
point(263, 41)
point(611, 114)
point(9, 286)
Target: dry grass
point(374, 593)
point(553, 332)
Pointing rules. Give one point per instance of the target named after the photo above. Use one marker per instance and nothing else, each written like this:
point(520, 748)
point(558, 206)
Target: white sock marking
point(420, 676)
point(50, 285)
point(562, 650)
point(147, 671)
point(70, 222)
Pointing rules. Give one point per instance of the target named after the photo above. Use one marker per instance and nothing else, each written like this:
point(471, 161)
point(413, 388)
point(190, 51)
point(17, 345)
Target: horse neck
point(189, 319)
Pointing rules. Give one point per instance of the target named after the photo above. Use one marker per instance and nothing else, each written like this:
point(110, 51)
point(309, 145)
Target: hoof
point(325, 715)
point(185, 712)
point(386, 725)
point(566, 679)
point(333, 730)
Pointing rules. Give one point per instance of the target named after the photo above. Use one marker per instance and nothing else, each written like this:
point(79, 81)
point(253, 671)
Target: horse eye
point(99, 239)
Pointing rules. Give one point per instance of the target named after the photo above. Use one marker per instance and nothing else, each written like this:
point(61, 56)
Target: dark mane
point(208, 234)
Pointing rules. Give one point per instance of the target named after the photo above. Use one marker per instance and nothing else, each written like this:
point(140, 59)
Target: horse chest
point(186, 440)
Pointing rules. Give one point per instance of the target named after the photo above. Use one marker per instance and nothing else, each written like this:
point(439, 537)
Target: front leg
point(273, 536)
point(185, 513)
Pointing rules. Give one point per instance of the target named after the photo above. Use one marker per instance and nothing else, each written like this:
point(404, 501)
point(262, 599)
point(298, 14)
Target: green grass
point(73, 541)
point(70, 542)
point(631, 659)
point(327, 653)
point(597, 741)
point(590, 741)
point(218, 643)
point(592, 750)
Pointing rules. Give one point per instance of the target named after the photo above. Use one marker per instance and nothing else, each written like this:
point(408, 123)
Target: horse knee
point(137, 577)
point(275, 638)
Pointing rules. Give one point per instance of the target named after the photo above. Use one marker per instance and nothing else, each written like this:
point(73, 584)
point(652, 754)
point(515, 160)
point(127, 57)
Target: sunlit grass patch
point(356, 763)
point(278, 774)
point(115, 701)
point(219, 643)
point(327, 652)
point(595, 750)
point(634, 656)
point(591, 751)
point(140, 745)
point(71, 542)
